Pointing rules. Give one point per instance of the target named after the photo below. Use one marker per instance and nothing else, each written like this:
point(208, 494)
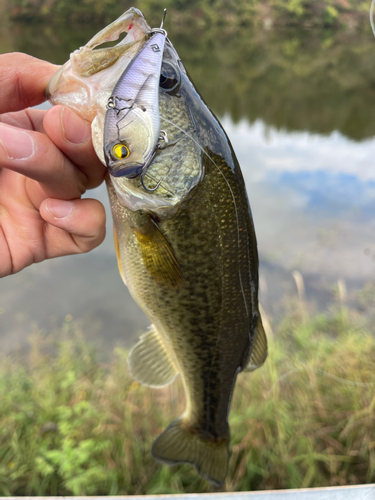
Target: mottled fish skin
point(208, 319)
point(187, 251)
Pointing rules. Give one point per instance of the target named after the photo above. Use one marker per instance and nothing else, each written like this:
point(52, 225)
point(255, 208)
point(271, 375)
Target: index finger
point(23, 80)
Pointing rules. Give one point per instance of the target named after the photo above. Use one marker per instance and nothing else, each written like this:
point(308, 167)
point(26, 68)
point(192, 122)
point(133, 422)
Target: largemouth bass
point(184, 233)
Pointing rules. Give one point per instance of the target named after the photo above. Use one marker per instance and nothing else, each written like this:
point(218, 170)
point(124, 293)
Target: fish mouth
point(129, 171)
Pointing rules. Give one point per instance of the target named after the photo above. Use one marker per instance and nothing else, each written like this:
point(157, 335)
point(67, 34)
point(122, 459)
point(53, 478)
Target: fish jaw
point(132, 21)
point(85, 82)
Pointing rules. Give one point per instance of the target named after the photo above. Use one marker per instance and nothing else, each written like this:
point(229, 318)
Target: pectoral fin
point(149, 362)
point(158, 256)
point(259, 349)
point(118, 255)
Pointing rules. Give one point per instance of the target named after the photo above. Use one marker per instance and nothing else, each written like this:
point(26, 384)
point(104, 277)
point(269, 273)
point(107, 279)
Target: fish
point(184, 237)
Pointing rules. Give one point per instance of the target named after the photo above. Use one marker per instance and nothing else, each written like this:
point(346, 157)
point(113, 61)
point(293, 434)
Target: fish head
point(152, 147)
point(176, 164)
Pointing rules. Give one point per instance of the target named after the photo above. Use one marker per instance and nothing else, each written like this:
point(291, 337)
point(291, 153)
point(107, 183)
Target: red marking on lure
point(130, 26)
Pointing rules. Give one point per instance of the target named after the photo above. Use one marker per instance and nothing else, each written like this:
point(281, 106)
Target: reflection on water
point(293, 80)
point(313, 203)
point(299, 113)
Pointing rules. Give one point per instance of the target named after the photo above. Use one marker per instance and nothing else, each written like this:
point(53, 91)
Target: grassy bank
point(344, 14)
point(70, 426)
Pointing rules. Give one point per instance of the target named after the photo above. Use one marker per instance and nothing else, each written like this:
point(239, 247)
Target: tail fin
point(179, 444)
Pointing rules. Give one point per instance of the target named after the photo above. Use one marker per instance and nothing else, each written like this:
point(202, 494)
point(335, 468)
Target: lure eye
point(120, 151)
point(169, 77)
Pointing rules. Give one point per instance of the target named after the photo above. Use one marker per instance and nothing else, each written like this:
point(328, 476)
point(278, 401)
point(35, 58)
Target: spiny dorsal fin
point(118, 255)
point(180, 444)
point(259, 349)
point(149, 362)
point(158, 256)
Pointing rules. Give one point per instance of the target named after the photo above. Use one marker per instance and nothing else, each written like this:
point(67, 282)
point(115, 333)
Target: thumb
point(75, 226)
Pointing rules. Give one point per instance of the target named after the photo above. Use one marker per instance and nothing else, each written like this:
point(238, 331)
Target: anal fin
point(259, 349)
point(149, 362)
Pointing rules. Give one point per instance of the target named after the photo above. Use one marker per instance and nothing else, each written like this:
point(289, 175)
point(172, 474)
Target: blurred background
point(293, 83)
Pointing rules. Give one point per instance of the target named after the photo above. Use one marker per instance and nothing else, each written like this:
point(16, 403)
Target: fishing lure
point(132, 131)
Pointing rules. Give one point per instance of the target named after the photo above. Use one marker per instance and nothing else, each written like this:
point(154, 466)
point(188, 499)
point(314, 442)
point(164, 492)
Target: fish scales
point(205, 321)
point(208, 324)
point(184, 235)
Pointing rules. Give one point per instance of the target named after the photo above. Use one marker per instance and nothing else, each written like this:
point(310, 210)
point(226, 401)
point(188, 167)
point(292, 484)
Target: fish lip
point(129, 171)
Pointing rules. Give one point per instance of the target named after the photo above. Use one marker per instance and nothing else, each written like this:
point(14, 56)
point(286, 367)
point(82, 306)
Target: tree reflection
point(294, 80)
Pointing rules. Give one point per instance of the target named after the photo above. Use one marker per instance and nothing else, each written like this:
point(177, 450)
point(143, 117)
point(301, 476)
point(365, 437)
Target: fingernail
point(18, 145)
point(75, 129)
point(59, 209)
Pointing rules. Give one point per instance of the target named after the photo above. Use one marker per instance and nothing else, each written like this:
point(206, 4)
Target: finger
point(72, 135)
point(29, 119)
point(73, 227)
point(23, 80)
point(34, 155)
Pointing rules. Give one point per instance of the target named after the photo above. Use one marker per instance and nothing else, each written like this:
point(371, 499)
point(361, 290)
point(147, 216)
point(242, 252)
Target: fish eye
point(169, 77)
point(120, 151)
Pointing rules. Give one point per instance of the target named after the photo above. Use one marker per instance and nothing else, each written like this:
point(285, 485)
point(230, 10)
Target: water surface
point(298, 109)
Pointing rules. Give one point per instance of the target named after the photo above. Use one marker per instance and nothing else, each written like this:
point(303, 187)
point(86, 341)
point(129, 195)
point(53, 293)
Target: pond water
point(298, 109)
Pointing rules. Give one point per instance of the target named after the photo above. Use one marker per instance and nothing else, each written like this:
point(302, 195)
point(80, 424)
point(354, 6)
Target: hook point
point(162, 22)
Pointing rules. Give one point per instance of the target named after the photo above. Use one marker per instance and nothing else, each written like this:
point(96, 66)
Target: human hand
point(47, 162)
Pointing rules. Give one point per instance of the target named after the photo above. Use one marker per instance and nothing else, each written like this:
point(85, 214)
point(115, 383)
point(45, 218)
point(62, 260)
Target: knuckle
point(87, 244)
point(97, 229)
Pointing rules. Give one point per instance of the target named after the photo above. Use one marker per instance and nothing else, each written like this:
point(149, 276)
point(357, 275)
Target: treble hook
point(163, 137)
point(161, 29)
point(111, 104)
point(159, 146)
point(162, 22)
point(143, 182)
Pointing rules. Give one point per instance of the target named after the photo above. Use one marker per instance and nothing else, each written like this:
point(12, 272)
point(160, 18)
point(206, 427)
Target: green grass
point(69, 426)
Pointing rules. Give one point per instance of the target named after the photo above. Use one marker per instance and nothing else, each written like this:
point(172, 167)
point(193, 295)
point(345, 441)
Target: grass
point(69, 426)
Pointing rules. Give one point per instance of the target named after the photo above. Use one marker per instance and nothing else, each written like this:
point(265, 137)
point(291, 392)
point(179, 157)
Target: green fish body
point(187, 251)
point(194, 272)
